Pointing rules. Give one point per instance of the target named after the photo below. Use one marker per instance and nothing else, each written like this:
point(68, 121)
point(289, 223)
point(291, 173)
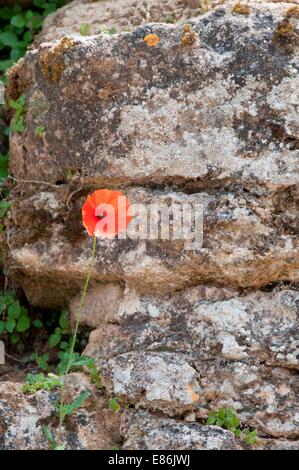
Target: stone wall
point(214, 121)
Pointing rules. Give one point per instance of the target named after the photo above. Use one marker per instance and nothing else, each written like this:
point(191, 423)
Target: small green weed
point(4, 207)
point(114, 405)
point(35, 382)
point(227, 418)
point(18, 122)
point(51, 439)
point(85, 29)
point(58, 337)
point(66, 410)
point(42, 360)
point(15, 319)
point(110, 31)
point(39, 130)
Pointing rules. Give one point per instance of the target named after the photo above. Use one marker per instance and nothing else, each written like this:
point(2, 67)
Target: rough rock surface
point(23, 416)
point(204, 349)
point(216, 119)
point(142, 430)
point(213, 122)
point(121, 15)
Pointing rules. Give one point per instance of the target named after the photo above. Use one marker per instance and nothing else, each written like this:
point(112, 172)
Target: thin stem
point(71, 352)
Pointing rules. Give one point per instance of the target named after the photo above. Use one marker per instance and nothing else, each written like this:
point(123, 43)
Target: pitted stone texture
point(101, 304)
point(22, 417)
point(204, 349)
point(144, 431)
point(216, 119)
point(206, 323)
point(248, 240)
point(122, 15)
point(222, 110)
point(163, 380)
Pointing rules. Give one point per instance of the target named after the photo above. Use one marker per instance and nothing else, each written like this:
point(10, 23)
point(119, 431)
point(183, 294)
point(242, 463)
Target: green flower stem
point(71, 353)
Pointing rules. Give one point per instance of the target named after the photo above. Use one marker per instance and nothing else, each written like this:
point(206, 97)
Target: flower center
point(100, 213)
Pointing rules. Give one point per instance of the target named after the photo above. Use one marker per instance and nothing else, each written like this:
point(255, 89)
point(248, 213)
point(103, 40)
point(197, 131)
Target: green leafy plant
point(15, 319)
point(114, 405)
point(78, 361)
point(3, 167)
point(41, 360)
point(18, 27)
point(250, 437)
point(170, 19)
point(66, 410)
point(18, 122)
point(227, 418)
point(35, 382)
point(39, 130)
point(51, 439)
point(4, 207)
point(110, 31)
point(60, 332)
point(85, 29)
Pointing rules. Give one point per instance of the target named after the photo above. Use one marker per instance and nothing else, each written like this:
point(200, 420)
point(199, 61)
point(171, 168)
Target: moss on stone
point(292, 12)
point(188, 37)
point(241, 9)
point(51, 62)
point(285, 35)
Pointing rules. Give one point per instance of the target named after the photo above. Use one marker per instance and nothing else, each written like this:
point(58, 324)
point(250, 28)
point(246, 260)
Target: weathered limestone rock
point(212, 122)
point(142, 430)
point(93, 426)
point(22, 417)
point(205, 349)
point(216, 118)
point(122, 15)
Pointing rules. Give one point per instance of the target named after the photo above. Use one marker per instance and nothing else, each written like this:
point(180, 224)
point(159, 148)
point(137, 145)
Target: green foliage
point(3, 168)
point(110, 31)
point(37, 323)
point(66, 410)
point(85, 29)
point(60, 332)
point(114, 405)
point(41, 360)
point(76, 362)
point(170, 19)
point(39, 130)
point(14, 317)
point(250, 437)
point(51, 439)
point(18, 122)
point(227, 418)
point(4, 207)
point(18, 26)
point(35, 382)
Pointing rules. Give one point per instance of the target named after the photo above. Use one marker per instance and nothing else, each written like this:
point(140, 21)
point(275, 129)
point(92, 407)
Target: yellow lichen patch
point(285, 35)
point(284, 29)
point(193, 395)
point(51, 62)
point(151, 40)
point(188, 37)
point(292, 12)
point(241, 9)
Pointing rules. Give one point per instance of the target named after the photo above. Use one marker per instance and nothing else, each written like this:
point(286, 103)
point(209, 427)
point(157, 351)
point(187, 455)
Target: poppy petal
point(111, 223)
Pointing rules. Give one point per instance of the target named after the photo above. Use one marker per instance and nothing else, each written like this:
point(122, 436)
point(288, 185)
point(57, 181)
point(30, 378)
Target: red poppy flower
point(105, 213)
